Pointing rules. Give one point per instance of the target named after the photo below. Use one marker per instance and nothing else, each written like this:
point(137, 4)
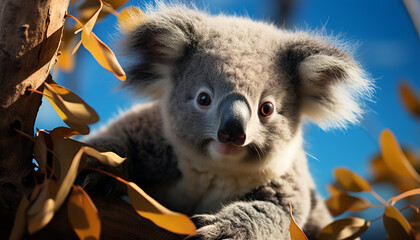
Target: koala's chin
point(226, 151)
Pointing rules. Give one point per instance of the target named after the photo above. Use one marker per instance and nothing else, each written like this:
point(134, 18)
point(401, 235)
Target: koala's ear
point(163, 39)
point(331, 84)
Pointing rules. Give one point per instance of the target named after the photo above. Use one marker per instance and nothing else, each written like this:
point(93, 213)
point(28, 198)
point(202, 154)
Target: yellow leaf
point(19, 225)
point(39, 220)
point(65, 61)
point(347, 228)
point(41, 210)
point(410, 99)
point(394, 158)
point(64, 154)
point(396, 225)
point(351, 181)
point(108, 158)
point(71, 108)
point(149, 208)
point(295, 232)
point(333, 190)
point(342, 202)
point(130, 18)
point(101, 52)
point(83, 215)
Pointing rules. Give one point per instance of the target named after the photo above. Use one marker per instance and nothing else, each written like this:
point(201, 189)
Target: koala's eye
point(204, 99)
point(266, 109)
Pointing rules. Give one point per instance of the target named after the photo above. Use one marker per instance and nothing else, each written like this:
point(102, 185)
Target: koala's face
point(234, 90)
point(230, 100)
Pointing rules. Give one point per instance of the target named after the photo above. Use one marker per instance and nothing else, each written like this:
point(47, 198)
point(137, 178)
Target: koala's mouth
point(227, 149)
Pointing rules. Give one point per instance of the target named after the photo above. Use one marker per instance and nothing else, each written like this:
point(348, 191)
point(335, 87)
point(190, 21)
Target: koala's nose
point(234, 116)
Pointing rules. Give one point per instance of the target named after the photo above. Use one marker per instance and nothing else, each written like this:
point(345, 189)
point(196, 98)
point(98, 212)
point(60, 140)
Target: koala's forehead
point(236, 54)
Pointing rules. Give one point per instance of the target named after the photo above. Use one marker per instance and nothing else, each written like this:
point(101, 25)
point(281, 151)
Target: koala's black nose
point(234, 116)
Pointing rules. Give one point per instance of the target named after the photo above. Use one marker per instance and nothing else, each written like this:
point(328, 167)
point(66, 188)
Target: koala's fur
point(171, 142)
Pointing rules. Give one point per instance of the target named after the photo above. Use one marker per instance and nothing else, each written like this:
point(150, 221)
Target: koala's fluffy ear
point(331, 84)
point(162, 40)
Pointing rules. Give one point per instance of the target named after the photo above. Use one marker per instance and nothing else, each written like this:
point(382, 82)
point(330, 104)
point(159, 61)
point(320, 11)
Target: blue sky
point(387, 46)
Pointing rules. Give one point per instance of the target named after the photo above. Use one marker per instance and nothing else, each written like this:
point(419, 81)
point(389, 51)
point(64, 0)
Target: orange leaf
point(351, 181)
point(295, 232)
point(41, 210)
point(101, 52)
point(108, 158)
point(65, 61)
point(130, 18)
point(394, 158)
point(342, 202)
point(396, 225)
point(83, 215)
point(65, 154)
point(70, 107)
point(347, 228)
point(62, 132)
point(410, 99)
point(149, 208)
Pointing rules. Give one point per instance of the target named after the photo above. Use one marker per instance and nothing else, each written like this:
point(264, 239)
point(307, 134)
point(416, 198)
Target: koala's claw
point(210, 227)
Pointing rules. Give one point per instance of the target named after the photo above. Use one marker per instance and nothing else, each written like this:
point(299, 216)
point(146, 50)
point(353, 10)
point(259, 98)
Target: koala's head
point(234, 90)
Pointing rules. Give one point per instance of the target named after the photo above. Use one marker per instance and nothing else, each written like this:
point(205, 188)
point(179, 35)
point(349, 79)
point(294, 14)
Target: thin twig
point(24, 134)
point(379, 198)
point(109, 174)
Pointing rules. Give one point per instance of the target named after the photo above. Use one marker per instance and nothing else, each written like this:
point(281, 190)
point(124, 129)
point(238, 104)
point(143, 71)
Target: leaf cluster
point(392, 165)
point(59, 158)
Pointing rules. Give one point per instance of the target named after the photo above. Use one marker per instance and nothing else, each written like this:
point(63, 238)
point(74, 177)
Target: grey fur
point(170, 143)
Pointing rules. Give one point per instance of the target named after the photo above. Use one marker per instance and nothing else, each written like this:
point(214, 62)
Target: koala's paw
point(212, 227)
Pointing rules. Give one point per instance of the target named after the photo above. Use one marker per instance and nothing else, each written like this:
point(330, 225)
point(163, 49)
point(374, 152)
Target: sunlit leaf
point(108, 158)
point(61, 151)
point(83, 215)
point(396, 225)
point(41, 210)
point(149, 208)
point(410, 99)
point(295, 232)
point(101, 52)
point(89, 7)
point(351, 181)
point(333, 190)
point(342, 202)
point(394, 158)
point(19, 225)
point(71, 108)
point(130, 18)
point(347, 228)
point(65, 61)
point(404, 195)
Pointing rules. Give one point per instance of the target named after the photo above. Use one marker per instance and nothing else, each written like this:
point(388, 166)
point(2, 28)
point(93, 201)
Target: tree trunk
point(30, 36)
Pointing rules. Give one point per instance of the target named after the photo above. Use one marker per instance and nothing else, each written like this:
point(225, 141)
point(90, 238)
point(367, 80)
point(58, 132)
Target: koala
point(221, 137)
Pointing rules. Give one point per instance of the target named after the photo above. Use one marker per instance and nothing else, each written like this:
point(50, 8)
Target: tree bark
point(30, 36)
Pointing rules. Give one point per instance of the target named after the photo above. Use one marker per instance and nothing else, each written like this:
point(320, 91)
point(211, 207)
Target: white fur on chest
point(205, 188)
